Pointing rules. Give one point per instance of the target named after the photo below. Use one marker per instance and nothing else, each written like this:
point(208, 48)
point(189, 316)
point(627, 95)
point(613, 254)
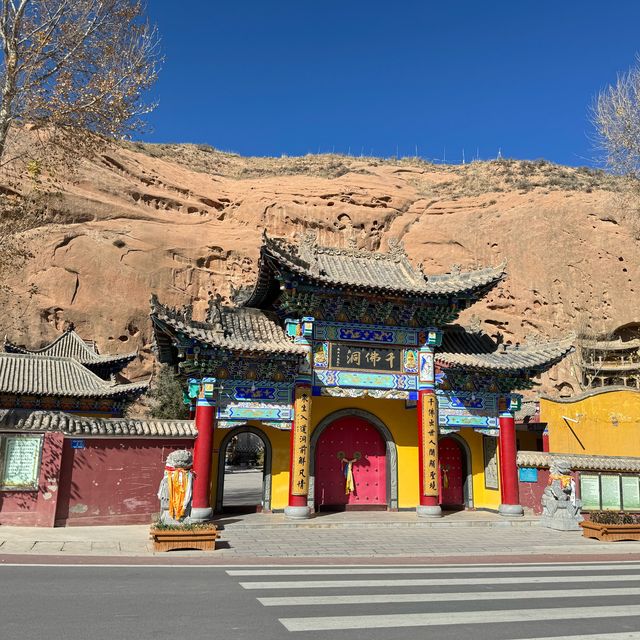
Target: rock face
point(185, 221)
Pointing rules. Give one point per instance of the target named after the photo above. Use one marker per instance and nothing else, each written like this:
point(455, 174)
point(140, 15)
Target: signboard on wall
point(590, 491)
point(528, 474)
point(610, 493)
point(630, 493)
point(356, 357)
point(20, 462)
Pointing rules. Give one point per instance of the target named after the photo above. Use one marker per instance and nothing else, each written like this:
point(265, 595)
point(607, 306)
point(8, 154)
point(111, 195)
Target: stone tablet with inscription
point(21, 462)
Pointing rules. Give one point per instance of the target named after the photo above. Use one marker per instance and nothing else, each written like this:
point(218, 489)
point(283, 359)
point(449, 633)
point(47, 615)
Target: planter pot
point(610, 532)
point(174, 539)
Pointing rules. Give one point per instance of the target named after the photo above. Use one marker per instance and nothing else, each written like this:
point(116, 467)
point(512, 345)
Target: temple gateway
point(350, 367)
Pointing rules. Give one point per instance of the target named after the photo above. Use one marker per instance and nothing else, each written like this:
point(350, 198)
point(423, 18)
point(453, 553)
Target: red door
point(451, 476)
point(345, 439)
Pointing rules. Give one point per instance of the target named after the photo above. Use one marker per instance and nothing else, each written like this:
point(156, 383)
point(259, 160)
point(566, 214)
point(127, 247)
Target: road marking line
point(383, 570)
point(425, 582)
point(359, 561)
point(340, 623)
point(620, 635)
point(390, 598)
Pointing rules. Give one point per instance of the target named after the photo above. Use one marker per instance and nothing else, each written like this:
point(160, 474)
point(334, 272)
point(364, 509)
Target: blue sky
point(276, 77)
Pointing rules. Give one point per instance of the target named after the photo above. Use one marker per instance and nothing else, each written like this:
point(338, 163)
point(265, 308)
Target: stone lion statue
point(560, 506)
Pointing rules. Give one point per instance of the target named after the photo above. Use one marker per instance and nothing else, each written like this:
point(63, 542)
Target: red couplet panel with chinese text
point(354, 442)
point(451, 474)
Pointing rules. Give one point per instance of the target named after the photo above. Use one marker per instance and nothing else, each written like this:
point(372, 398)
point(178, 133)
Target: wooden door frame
point(467, 483)
point(391, 452)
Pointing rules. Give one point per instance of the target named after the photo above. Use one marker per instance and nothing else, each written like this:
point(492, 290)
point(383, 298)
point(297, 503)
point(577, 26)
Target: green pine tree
point(166, 396)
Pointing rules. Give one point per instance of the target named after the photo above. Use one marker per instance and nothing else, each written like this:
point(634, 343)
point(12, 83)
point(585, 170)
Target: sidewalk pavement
point(475, 535)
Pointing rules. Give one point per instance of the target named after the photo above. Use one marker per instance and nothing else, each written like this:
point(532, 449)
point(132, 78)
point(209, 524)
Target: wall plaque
point(20, 462)
point(630, 493)
point(610, 492)
point(355, 357)
point(590, 492)
point(528, 474)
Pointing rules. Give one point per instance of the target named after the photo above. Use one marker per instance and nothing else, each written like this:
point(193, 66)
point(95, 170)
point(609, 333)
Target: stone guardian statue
point(560, 506)
point(176, 488)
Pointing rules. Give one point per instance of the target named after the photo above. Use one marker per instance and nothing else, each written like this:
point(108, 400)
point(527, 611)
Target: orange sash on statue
point(177, 481)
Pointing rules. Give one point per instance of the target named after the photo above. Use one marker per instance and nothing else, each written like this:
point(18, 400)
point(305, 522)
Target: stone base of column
point(201, 514)
point(511, 510)
point(429, 511)
point(297, 513)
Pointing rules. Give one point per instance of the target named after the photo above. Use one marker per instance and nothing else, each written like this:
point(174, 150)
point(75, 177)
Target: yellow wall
point(608, 423)
point(400, 421)
point(483, 498)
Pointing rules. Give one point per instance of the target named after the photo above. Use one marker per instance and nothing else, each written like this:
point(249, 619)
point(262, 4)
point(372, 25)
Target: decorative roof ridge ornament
point(396, 249)
point(475, 324)
point(214, 313)
point(181, 314)
point(307, 248)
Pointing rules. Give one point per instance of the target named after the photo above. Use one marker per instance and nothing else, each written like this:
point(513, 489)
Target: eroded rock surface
point(185, 222)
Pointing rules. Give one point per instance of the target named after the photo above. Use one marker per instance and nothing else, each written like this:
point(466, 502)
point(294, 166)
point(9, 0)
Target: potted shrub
point(610, 526)
point(170, 537)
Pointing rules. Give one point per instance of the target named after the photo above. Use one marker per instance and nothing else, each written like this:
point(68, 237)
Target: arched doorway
point(455, 473)
point(244, 471)
point(359, 437)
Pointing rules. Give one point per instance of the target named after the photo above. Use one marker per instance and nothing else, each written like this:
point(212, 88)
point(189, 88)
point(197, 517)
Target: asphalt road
point(597, 601)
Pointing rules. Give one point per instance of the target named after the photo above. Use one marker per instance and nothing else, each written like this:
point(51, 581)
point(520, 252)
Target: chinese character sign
point(350, 356)
point(429, 435)
point(301, 439)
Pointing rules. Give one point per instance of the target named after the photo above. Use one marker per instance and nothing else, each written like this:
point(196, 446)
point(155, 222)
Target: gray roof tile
point(580, 461)
point(53, 376)
point(475, 350)
point(236, 329)
point(391, 272)
point(71, 345)
point(72, 425)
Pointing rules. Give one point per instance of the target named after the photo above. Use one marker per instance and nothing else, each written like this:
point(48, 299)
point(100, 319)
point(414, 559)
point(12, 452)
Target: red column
point(507, 450)
point(427, 414)
point(202, 457)
point(545, 440)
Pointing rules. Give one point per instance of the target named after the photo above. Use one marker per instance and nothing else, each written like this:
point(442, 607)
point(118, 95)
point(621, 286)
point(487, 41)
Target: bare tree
point(74, 67)
point(616, 116)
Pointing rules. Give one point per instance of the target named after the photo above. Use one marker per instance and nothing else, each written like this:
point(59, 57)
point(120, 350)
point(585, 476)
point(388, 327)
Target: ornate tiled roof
point(390, 272)
point(528, 411)
point(24, 374)
point(72, 425)
point(580, 462)
point(236, 329)
point(71, 345)
point(474, 350)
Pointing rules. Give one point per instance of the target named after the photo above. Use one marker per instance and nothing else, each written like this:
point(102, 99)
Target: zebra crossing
point(559, 601)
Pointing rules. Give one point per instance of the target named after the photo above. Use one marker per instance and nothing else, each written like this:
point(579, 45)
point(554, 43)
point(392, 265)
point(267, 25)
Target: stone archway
point(266, 475)
point(468, 475)
point(391, 452)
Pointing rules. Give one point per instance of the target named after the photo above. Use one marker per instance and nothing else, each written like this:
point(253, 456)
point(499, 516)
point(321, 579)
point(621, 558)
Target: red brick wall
point(36, 508)
point(112, 481)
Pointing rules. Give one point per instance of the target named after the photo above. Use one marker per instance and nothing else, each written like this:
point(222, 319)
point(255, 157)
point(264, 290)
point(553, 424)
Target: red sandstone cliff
point(184, 221)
